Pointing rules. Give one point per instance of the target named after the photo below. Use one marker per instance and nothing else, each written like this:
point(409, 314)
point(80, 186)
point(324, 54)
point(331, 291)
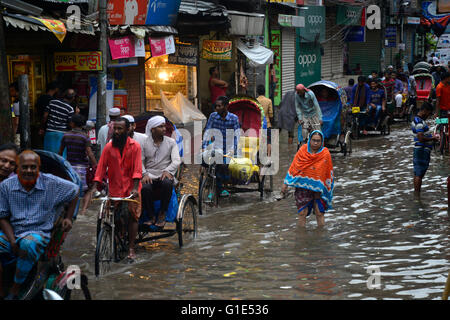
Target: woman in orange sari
point(311, 173)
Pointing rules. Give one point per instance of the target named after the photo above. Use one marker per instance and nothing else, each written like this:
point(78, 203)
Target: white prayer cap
point(129, 117)
point(154, 122)
point(90, 124)
point(114, 112)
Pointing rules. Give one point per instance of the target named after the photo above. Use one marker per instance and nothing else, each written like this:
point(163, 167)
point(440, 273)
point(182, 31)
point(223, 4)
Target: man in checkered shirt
point(222, 121)
point(30, 203)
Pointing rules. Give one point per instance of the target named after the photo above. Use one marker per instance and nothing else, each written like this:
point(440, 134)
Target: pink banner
point(122, 47)
point(162, 46)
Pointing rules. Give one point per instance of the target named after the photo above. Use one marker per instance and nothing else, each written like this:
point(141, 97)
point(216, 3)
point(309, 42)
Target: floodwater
point(253, 249)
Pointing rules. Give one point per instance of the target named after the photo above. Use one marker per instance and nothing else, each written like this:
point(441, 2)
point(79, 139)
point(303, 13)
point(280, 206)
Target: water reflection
point(252, 249)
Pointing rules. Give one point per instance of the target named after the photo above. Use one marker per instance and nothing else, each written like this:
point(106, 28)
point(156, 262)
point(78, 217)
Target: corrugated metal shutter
point(287, 60)
point(367, 54)
point(333, 57)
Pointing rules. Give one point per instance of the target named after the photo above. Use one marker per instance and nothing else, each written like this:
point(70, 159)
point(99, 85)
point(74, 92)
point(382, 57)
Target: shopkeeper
point(217, 87)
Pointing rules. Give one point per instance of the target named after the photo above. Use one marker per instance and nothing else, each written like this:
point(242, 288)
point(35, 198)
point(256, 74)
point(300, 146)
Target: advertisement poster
point(391, 37)
point(349, 15)
point(130, 12)
point(216, 50)
point(122, 47)
point(308, 63)
point(162, 46)
point(314, 29)
point(162, 12)
point(78, 61)
point(275, 46)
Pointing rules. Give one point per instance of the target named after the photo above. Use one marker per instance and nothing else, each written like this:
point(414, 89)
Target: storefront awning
point(142, 31)
point(202, 8)
point(257, 54)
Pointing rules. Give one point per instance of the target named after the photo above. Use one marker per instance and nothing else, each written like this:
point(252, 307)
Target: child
point(423, 143)
point(79, 149)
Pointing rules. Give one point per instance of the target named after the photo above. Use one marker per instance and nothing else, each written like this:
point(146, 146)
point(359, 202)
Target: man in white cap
point(139, 137)
point(161, 159)
point(106, 131)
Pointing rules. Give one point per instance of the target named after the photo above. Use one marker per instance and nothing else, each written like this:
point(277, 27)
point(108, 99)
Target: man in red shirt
point(443, 94)
point(121, 157)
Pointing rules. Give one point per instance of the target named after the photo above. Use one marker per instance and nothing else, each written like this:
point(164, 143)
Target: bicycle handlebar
point(129, 198)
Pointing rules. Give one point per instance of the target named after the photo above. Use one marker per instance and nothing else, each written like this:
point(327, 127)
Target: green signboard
point(349, 15)
point(308, 63)
point(275, 46)
point(314, 30)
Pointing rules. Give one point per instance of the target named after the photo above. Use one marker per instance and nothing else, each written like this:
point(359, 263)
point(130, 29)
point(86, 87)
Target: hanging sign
point(349, 15)
point(122, 47)
point(216, 50)
point(314, 29)
point(78, 61)
point(356, 34)
point(131, 12)
point(391, 37)
point(185, 54)
point(162, 46)
point(162, 12)
point(309, 64)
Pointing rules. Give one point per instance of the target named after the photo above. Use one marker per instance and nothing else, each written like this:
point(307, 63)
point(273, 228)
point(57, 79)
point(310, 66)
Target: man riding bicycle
point(222, 121)
point(443, 96)
point(30, 202)
point(121, 158)
point(308, 112)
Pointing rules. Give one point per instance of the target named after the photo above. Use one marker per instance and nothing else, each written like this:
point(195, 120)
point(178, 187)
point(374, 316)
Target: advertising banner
point(349, 15)
point(122, 47)
point(308, 63)
point(185, 54)
point(130, 12)
point(78, 61)
point(162, 12)
point(216, 50)
point(162, 46)
point(390, 37)
point(356, 34)
point(275, 46)
point(314, 29)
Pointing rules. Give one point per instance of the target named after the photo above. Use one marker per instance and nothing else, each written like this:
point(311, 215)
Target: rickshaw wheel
point(208, 186)
point(104, 252)
point(187, 224)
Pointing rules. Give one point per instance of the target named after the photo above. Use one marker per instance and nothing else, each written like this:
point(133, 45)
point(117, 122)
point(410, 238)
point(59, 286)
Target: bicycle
point(112, 238)
point(208, 191)
point(441, 129)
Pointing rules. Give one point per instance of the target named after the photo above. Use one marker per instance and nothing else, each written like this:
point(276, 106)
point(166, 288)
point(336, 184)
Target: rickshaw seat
point(171, 213)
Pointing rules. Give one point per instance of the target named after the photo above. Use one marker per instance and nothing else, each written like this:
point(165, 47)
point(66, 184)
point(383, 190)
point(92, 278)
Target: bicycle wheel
point(104, 252)
point(207, 195)
point(442, 140)
point(187, 224)
point(121, 232)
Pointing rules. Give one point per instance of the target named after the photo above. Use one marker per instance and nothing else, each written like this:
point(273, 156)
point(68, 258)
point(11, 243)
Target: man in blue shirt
point(398, 94)
point(308, 111)
point(30, 203)
point(423, 143)
point(221, 123)
point(360, 98)
point(376, 103)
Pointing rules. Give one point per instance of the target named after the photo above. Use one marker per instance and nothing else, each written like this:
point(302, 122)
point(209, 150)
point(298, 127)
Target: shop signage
point(285, 20)
point(78, 61)
point(391, 37)
point(308, 63)
point(122, 47)
point(412, 20)
point(143, 12)
point(162, 46)
point(356, 34)
point(275, 46)
point(185, 54)
point(349, 15)
point(314, 29)
point(125, 62)
point(216, 50)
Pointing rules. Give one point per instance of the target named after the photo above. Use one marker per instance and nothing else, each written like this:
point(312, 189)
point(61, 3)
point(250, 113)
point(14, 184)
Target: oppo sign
point(307, 59)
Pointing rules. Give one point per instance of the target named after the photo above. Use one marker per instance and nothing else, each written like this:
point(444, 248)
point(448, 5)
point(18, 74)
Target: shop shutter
point(333, 54)
point(287, 60)
point(368, 53)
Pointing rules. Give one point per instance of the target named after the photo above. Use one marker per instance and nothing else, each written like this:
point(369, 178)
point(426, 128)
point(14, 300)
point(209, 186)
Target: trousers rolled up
point(157, 190)
point(31, 247)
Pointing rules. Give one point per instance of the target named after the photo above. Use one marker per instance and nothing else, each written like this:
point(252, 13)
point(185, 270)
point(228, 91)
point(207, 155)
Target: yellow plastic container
point(242, 168)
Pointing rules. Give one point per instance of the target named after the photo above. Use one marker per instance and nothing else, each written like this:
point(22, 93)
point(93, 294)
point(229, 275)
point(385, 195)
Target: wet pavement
point(253, 249)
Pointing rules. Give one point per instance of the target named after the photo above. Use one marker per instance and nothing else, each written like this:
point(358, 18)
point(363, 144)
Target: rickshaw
point(49, 274)
point(424, 82)
point(332, 101)
point(112, 222)
point(245, 168)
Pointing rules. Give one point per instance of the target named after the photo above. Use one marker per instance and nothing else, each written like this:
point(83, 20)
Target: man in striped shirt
point(56, 116)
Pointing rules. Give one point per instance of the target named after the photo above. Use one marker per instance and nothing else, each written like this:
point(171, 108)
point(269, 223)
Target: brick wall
point(134, 83)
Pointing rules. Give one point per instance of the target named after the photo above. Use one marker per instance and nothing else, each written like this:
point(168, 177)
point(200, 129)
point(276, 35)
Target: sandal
point(161, 222)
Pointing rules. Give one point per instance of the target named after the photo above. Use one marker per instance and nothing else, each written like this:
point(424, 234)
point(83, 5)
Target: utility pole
point(6, 134)
point(102, 75)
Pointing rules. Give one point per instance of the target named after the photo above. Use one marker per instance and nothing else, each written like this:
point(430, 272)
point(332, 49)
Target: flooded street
point(253, 249)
